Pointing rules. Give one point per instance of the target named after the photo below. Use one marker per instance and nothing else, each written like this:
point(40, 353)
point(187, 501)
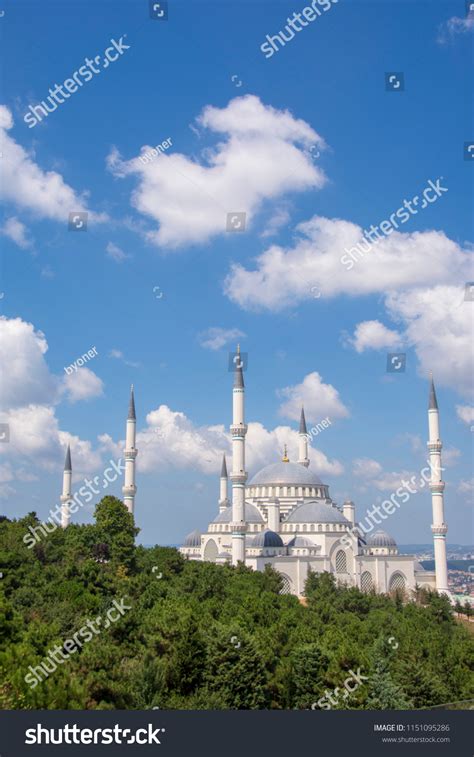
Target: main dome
point(316, 512)
point(285, 473)
point(252, 515)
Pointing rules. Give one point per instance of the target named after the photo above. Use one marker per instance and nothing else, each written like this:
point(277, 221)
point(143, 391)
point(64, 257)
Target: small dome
point(266, 538)
point(252, 515)
point(316, 512)
point(381, 539)
point(285, 473)
point(193, 539)
point(301, 541)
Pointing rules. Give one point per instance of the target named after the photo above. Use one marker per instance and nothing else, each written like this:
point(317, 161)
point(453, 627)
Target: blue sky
point(311, 137)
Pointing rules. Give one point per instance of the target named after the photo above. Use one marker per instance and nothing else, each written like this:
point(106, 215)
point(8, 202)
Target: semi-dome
point(301, 541)
point(193, 539)
point(267, 538)
point(252, 515)
point(285, 473)
point(316, 512)
point(380, 539)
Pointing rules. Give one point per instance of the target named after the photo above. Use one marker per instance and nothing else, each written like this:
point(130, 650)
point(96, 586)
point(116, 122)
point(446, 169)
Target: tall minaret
point(223, 498)
point(439, 527)
point(238, 476)
point(303, 441)
point(129, 489)
point(66, 495)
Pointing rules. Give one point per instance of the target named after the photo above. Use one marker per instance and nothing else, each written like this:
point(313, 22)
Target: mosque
point(284, 517)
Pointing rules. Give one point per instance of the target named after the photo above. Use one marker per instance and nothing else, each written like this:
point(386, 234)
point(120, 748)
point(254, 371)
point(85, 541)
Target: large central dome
point(287, 474)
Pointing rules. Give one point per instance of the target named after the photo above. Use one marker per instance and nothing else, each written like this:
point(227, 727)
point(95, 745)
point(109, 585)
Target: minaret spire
point(303, 441)
point(66, 496)
point(238, 476)
point(223, 498)
point(439, 527)
point(129, 489)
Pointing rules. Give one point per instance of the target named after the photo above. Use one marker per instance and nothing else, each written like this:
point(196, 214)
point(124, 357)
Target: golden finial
point(285, 458)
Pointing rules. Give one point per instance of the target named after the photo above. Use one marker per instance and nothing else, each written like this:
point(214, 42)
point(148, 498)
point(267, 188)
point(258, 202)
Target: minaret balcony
point(434, 446)
point(440, 530)
point(437, 488)
point(130, 454)
point(239, 478)
point(129, 491)
point(238, 528)
point(238, 429)
point(64, 498)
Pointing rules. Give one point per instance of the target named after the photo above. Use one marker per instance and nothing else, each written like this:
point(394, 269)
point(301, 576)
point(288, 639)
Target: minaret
point(129, 489)
point(238, 476)
point(66, 495)
point(223, 498)
point(303, 441)
point(439, 527)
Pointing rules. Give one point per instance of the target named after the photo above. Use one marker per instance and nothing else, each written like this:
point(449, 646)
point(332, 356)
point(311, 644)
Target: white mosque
point(285, 517)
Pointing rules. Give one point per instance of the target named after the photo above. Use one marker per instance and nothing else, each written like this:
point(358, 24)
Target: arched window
point(286, 587)
point(341, 562)
point(211, 551)
point(320, 528)
point(397, 581)
point(366, 582)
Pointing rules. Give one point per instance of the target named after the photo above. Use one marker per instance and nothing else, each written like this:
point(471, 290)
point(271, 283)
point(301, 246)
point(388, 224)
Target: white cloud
point(283, 277)
point(215, 337)
point(453, 27)
point(26, 185)
point(465, 413)
point(17, 232)
point(374, 335)
point(25, 377)
point(262, 154)
point(438, 324)
point(279, 218)
point(466, 487)
point(364, 467)
point(118, 355)
point(116, 253)
point(82, 384)
point(320, 400)
point(450, 456)
point(171, 441)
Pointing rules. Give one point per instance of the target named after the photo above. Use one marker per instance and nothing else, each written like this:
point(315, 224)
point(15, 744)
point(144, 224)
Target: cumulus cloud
point(118, 355)
point(215, 337)
point(283, 277)
point(17, 232)
point(261, 154)
point(26, 185)
point(374, 335)
point(438, 324)
point(465, 413)
point(364, 467)
point(319, 400)
point(279, 218)
point(419, 275)
point(467, 487)
point(82, 384)
point(25, 377)
point(170, 440)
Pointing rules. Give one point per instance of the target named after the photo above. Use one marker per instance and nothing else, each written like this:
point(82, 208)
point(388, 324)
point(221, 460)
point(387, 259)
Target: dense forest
point(190, 635)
